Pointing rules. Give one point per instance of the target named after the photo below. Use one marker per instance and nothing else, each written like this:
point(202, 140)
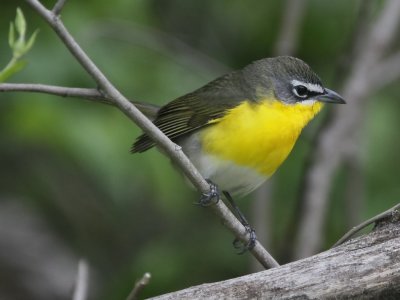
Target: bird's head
point(289, 80)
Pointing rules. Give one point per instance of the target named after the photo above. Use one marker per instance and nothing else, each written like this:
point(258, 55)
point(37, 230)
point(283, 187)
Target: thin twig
point(58, 7)
point(95, 95)
point(139, 286)
point(82, 281)
point(90, 94)
point(364, 224)
point(173, 151)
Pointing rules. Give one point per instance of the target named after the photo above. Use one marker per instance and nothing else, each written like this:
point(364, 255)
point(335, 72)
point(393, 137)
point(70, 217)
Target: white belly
point(235, 179)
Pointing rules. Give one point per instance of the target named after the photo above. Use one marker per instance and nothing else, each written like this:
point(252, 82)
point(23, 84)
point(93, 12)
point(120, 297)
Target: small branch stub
point(139, 286)
point(58, 7)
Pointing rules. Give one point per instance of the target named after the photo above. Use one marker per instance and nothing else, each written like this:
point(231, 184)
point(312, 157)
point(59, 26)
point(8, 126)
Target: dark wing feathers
point(195, 110)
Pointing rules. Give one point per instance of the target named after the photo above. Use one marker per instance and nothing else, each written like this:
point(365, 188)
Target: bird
point(239, 128)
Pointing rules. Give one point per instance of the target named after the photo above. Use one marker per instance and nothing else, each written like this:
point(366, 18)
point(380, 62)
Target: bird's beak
point(331, 97)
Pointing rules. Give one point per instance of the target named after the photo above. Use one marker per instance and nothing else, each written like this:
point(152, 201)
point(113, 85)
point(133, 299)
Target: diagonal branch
point(173, 151)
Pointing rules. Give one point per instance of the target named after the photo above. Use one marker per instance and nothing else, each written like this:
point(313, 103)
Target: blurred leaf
point(20, 23)
point(31, 41)
point(11, 35)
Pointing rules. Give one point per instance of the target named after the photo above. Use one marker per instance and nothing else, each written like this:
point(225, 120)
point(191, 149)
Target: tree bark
point(367, 267)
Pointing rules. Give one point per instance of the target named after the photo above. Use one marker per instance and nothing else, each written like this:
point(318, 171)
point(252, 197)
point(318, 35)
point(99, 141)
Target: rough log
point(367, 267)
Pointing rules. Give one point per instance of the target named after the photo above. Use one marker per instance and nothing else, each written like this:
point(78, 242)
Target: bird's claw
point(210, 198)
point(238, 244)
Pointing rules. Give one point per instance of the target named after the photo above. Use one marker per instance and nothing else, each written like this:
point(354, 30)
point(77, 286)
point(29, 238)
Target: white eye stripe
point(312, 87)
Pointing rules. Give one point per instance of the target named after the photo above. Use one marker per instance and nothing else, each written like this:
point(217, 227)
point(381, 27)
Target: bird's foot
point(210, 198)
point(238, 244)
point(243, 247)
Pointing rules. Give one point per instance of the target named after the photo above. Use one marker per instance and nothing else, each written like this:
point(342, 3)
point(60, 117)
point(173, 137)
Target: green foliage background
point(128, 214)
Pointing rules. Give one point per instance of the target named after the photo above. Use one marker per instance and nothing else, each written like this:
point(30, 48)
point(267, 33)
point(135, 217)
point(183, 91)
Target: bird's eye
point(300, 91)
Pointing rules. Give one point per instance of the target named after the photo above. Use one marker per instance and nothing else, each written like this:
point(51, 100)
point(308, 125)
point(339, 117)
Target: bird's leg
point(252, 239)
point(210, 198)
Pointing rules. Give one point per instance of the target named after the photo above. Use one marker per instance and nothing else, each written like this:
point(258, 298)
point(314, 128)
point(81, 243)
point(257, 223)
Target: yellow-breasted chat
point(239, 128)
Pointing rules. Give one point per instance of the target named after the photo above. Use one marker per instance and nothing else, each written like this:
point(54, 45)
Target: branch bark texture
point(367, 267)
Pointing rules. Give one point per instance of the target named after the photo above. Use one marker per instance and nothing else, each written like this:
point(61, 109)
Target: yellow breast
point(258, 135)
